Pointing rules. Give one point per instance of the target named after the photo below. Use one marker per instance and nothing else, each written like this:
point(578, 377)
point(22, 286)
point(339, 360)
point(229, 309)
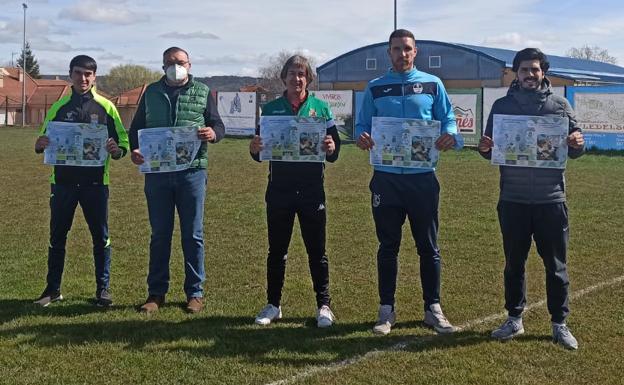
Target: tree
point(270, 73)
point(591, 53)
point(126, 77)
point(32, 67)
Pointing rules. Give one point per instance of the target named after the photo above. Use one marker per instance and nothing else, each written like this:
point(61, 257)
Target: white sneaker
point(268, 313)
point(324, 317)
point(509, 329)
point(385, 320)
point(563, 336)
point(436, 319)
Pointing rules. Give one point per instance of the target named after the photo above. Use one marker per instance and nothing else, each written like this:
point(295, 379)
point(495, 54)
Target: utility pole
point(24, 69)
point(395, 16)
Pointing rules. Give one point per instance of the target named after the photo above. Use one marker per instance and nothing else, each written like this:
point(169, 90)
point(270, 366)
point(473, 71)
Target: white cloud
point(110, 56)
point(238, 37)
point(512, 40)
point(246, 71)
point(98, 12)
point(190, 35)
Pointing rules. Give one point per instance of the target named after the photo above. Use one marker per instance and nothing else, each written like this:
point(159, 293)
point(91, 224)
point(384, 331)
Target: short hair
point(401, 33)
point(83, 61)
point(530, 54)
point(171, 50)
point(298, 61)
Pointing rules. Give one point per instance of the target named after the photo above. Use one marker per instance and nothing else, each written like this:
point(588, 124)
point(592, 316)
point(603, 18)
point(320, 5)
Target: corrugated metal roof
point(577, 69)
point(569, 63)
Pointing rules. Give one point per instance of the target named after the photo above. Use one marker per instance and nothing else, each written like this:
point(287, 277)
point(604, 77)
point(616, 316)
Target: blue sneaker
point(509, 329)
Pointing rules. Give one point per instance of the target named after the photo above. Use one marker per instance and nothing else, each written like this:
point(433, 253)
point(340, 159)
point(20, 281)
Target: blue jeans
point(63, 202)
point(184, 190)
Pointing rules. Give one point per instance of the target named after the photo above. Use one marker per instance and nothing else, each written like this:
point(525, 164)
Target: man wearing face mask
point(176, 100)
point(532, 201)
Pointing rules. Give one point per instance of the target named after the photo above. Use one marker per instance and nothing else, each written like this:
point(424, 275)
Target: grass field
point(73, 342)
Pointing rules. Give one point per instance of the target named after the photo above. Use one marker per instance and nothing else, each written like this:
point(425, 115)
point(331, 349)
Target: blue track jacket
point(414, 94)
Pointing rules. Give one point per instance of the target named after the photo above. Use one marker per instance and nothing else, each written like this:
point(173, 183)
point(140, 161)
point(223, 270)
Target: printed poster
point(76, 144)
point(292, 138)
point(530, 141)
point(403, 142)
point(167, 149)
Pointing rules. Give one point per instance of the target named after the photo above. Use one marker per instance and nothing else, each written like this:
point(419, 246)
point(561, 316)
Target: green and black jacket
point(89, 107)
point(300, 174)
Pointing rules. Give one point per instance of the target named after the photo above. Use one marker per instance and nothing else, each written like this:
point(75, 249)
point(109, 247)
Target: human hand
point(255, 146)
point(485, 144)
point(445, 142)
point(365, 142)
point(329, 146)
point(113, 148)
point(576, 139)
point(41, 144)
point(136, 157)
point(206, 134)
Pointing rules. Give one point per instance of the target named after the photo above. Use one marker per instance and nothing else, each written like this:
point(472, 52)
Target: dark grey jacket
point(526, 184)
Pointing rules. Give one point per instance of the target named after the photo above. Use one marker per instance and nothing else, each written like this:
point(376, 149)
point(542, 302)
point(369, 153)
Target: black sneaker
point(103, 298)
point(47, 297)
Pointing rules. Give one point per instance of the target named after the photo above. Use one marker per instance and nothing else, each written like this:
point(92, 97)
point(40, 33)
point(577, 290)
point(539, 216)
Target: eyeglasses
point(180, 63)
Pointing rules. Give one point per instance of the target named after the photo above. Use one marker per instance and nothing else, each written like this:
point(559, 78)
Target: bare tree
point(126, 77)
point(270, 73)
point(591, 53)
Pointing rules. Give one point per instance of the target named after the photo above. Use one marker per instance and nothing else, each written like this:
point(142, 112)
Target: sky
point(237, 37)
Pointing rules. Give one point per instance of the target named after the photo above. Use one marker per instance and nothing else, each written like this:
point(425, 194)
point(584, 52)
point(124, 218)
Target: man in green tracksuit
point(296, 188)
point(87, 186)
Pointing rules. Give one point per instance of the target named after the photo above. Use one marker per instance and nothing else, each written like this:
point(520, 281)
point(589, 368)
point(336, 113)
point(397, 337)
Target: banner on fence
point(467, 108)
point(341, 104)
point(600, 113)
point(238, 112)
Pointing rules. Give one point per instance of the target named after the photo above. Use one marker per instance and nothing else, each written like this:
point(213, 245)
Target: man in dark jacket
point(87, 186)
point(532, 201)
point(177, 100)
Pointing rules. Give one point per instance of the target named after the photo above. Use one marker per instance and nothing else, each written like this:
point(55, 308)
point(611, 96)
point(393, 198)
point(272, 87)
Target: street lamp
point(24, 69)
point(395, 15)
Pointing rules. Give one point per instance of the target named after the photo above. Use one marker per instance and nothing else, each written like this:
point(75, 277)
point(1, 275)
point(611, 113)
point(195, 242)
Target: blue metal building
point(459, 66)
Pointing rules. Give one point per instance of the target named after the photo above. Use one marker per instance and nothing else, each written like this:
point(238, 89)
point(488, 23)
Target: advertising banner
point(238, 112)
point(341, 105)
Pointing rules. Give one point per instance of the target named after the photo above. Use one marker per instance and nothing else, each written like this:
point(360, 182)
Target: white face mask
point(176, 73)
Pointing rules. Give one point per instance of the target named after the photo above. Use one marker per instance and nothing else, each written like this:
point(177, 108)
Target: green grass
point(74, 343)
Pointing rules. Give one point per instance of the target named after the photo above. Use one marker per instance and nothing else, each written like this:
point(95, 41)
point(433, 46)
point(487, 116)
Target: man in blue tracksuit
point(405, 92)
point(532, 201)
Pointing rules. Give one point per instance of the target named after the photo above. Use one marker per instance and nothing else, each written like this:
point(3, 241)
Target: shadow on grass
point(291, 341)
point(12, 309)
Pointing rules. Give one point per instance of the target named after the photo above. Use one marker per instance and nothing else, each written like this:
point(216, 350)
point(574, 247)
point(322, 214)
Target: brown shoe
point(195, 305)
point(152, 304)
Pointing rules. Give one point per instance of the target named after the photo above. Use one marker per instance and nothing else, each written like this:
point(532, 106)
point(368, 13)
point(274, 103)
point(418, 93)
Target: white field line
point(404, 344)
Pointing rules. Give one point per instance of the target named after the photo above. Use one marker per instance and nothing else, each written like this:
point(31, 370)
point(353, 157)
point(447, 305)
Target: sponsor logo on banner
point(465, 119)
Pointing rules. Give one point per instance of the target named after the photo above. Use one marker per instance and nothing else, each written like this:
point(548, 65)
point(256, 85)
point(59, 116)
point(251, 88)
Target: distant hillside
point(228, 83)
point(216, 83)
